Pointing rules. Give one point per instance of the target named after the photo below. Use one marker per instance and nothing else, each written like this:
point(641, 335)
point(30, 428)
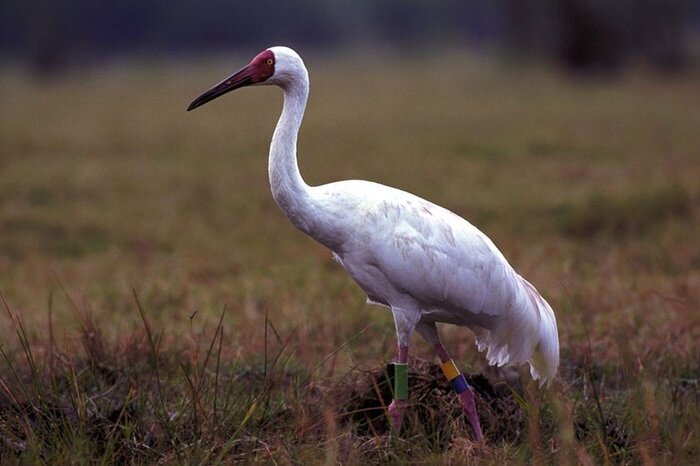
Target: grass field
point(128, 226)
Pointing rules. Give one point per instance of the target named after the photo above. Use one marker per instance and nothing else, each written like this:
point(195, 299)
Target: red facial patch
point(262, 66)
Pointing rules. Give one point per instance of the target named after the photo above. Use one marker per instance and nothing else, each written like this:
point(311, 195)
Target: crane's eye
point(269, 61)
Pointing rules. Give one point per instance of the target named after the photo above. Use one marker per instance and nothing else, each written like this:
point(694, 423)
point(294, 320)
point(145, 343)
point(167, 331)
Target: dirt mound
point(362, 396)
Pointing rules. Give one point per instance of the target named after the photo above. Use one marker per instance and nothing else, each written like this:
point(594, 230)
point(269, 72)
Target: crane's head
point(276, 65)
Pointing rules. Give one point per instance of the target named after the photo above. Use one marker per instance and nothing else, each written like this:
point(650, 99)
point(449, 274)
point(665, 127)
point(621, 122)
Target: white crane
point(424, 262)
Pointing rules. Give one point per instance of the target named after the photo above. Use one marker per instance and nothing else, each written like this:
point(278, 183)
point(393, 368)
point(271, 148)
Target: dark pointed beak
point(238, 79)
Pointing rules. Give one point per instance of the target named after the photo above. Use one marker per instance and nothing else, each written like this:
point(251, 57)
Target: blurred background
point(578, 35)
point(545, 123)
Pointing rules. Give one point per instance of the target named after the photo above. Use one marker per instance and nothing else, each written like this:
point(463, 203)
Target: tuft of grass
point(138, 402)
point(152, 398)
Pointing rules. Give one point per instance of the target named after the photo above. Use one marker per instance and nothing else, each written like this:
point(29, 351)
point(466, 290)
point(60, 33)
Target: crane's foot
point(397, 408)
point(466, 399)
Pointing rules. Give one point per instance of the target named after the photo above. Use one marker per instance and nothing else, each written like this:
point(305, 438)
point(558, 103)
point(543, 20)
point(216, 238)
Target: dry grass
point(591, 189)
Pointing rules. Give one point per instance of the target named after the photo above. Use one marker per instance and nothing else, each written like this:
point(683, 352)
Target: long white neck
point(289, 190)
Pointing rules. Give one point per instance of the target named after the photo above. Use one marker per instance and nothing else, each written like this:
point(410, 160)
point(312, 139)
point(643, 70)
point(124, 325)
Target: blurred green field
point(591, 188)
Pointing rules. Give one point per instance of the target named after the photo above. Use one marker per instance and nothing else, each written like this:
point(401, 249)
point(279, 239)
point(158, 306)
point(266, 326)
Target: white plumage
point(424, 262)
point(421, 259)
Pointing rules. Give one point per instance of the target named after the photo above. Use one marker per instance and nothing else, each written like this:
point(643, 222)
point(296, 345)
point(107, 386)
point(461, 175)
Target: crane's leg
point(452, 374)
point(400, 390)
point(405, 322)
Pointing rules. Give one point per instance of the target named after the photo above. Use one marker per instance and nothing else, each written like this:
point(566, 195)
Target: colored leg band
point(450, 370)
point(400, 381)
point(457, 380)
point(459, 384)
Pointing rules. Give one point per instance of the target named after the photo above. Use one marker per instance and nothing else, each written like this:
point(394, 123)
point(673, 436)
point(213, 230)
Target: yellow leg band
point(450, 370)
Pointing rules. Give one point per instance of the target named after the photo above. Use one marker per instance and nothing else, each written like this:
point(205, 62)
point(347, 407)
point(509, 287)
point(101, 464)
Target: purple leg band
point(459, 384)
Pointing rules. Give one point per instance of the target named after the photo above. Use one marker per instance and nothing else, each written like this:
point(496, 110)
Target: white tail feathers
point(545, 358)
point(526, 333)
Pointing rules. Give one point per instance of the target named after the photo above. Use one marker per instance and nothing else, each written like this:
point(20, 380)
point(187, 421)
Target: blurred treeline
point(575, 34)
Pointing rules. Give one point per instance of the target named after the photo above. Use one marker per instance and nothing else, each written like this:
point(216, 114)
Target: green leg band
point(400, 381)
